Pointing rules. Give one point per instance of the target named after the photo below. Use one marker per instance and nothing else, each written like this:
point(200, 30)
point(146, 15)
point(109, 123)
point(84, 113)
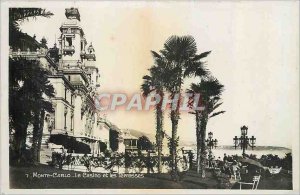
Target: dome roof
point(91, 49)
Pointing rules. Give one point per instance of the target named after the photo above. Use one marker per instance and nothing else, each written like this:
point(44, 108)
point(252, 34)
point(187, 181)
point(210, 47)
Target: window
point(127, 142)
point(72, 117)
point(133, 142)
point(69, 41)
point(53, 125)
point(65, 93)
point(65, 121)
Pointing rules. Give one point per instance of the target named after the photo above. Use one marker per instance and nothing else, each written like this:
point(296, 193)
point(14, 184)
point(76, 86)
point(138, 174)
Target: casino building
point(72, 68)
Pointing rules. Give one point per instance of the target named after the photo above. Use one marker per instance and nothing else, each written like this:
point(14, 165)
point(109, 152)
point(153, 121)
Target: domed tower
point(72, 41)
point(90, 66)
point(77, 79)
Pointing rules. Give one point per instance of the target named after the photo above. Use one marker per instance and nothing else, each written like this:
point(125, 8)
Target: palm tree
point(27, 103)
point(20, 113)
point(18, 15)
point(210, 91)
point(155, 83)
point(180, 58)
point(27, 84)
point(42, 105)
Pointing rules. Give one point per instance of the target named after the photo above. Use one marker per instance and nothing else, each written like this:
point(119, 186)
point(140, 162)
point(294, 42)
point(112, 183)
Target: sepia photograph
point(150, 97)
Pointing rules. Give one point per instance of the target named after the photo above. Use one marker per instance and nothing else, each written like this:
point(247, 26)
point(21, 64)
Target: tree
point(28, 89)
point(26, 77)
point(210, 91)
point(144, 143)
point(20, 104)
point(155, 83)
point(180, 59)
point(19, 15)
point(43, 91)
point(114, 139)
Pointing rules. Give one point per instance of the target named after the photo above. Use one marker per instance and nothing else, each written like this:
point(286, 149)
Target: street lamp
point(244, 130)
point(211, 143)
point(244, 141)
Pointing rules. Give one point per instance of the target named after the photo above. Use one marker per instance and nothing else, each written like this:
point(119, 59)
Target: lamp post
point(244, 141)
point(211, 143)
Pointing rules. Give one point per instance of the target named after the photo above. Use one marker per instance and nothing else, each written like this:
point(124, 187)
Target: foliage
point(271, 160)
point(155, 82)
point(18, 15)
point(103, 146)
point(29, 93)
point(29, 88)
point(144, 143)
point(116, 160)
point(114, 140)
point(70, 144)
point(210, 90)
point(178, 60)
point(172, 142)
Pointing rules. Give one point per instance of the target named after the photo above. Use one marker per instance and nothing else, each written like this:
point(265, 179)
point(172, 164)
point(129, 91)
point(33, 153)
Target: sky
point(255, 55)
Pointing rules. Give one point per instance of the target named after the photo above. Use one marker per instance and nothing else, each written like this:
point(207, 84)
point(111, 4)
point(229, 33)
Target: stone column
point(77, 126)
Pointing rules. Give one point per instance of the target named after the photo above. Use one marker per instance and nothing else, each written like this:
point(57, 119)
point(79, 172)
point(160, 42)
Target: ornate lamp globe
point(253, 139)
point(216, 141)
point(244, 130)
point(210, 134)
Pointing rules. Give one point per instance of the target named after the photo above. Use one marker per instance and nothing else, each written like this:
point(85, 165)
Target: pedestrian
point(225, 158)
point(191, 157)
point(236, 170)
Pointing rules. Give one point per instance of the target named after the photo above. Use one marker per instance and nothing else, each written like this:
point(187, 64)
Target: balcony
point(69, 50)
point(29, 54)
point(131, 147)
point(90, 57)
point(130, 144)
point(82, 54)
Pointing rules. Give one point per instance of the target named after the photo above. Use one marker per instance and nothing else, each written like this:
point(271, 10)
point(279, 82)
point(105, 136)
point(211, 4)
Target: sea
point(258, 151)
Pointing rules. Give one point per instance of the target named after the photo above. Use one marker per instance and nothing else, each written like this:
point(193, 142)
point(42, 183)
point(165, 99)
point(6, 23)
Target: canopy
point(251, 161)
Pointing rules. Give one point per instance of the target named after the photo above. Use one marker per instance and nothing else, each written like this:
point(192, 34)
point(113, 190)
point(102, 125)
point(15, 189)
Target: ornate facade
point(75, 85)
point(74, 74)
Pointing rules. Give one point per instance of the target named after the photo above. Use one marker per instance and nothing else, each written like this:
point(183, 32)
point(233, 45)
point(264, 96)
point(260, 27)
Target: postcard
point(150, 97)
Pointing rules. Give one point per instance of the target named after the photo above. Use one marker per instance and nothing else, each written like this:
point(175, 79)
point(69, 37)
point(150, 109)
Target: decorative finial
point(91, 49)
point(44, 42)
point(72, 13)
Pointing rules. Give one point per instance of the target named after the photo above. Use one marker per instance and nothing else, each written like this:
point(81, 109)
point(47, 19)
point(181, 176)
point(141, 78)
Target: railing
point(71, 62)
point(131, 148)
point(28, 53)
point(69, 48)
point(133, 163)
point(90, 56)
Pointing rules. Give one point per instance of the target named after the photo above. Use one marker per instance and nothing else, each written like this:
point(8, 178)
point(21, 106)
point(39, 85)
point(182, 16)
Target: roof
point(23, 41)
point(111, 126)
point(128, 135)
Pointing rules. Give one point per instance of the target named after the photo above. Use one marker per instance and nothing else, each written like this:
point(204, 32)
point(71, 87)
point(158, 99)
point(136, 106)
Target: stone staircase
point(45, 154)
point(46, 151)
